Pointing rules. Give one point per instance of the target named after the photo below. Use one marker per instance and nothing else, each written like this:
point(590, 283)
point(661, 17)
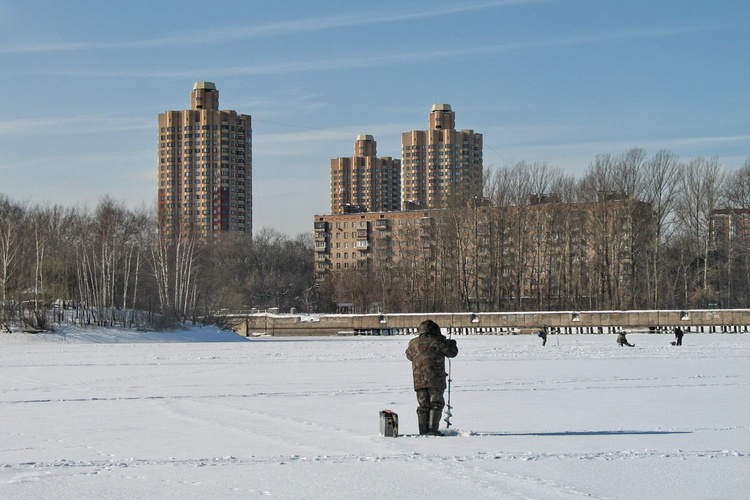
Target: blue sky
point(543, 80)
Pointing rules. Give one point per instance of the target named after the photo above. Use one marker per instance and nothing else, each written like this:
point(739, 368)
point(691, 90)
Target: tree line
point(107, 266)
point(634, 232)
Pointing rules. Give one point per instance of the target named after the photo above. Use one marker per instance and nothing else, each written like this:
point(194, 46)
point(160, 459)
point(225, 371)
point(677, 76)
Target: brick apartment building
point(364, 182)
point(538, 248)
point(729, 224)
point(205, 169)
point(441, 166)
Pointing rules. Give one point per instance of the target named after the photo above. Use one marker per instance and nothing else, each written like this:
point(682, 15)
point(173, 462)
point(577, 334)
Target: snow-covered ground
point(103, 414)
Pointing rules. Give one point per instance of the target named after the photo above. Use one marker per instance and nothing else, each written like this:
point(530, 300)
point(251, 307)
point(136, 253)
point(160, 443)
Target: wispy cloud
point(232, 33)
point(76, 125)
point(362, 19)
point(386, 59)
point(31, 47)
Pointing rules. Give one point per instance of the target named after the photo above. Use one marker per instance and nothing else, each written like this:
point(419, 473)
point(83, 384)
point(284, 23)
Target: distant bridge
point(492, 323)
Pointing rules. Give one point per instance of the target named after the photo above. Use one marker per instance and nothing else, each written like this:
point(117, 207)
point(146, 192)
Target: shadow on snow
point(577, 433)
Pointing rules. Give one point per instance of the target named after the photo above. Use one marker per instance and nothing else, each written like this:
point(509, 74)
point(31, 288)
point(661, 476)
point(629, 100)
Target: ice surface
point(205, 414)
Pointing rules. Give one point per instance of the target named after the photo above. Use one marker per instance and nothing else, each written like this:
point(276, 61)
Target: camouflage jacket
point(427, 354)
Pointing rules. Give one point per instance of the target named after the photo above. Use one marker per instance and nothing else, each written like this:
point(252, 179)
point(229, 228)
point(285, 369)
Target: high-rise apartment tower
point(441, 167)
point(205, 169)
point(364, 182)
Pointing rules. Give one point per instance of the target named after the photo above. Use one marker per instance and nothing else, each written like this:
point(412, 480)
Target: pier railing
point(492, 323)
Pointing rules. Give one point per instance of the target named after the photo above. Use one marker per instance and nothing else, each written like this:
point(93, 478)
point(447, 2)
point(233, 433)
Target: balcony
point(362, 245)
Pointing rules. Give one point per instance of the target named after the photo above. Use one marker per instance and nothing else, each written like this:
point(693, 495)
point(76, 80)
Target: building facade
point(544, 253)
point(441, 166)
point(205, 169)
point(364, 182)
point(351, 241)
point(729, 225)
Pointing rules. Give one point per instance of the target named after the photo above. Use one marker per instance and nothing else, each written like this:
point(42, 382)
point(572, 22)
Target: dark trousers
point(430, 398)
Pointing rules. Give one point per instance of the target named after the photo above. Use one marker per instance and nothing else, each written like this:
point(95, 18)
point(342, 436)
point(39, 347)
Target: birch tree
point(11, 218)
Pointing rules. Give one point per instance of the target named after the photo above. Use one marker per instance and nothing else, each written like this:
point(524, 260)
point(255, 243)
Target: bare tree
point(174, 266)
point(598, 187)
point(11, 219)
point(660, 188)
point(738, 187)
point(735, 251)
point(700, 194)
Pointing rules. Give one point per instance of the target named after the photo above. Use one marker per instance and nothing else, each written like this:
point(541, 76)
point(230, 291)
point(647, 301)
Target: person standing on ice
point(678, 333)
point(427, 354)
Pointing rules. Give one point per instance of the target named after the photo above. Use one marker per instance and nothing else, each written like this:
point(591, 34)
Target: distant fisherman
point(678, 333)
point(622, 340)
point(543, 335)
point(427, 354)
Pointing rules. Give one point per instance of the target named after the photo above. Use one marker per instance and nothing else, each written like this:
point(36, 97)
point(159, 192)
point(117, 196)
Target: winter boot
point(435, 422)
point(424, 425)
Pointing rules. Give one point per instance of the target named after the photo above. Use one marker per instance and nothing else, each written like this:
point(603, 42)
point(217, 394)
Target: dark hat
point(428, 326)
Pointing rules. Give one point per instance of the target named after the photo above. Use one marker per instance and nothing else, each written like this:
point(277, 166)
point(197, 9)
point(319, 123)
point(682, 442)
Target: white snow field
point(203, 414)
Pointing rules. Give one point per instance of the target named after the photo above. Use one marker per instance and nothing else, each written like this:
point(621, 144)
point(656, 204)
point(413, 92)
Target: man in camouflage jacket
point(427, 354)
